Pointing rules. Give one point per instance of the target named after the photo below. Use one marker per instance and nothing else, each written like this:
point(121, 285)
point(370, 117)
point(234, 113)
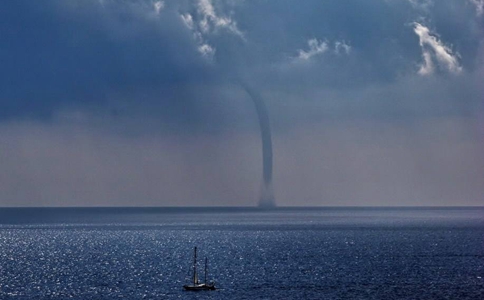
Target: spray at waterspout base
point(267, 200)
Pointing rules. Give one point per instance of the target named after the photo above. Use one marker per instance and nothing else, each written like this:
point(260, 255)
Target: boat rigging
point(196, 285)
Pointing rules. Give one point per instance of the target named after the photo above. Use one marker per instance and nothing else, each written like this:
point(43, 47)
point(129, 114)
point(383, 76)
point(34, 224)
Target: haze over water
point(329, 253)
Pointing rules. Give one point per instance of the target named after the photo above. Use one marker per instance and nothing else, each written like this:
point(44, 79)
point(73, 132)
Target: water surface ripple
point(324, 254)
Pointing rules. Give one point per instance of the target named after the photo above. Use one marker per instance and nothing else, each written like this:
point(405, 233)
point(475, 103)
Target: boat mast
point(195, 266)
point(205, 270)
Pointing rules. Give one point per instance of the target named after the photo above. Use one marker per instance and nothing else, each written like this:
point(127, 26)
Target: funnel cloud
point(266, 199)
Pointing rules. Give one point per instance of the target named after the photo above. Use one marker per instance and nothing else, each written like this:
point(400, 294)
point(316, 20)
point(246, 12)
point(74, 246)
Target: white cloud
point(211, 19)
point(479, 4)
point(315, 47)
point(158, 5)
point(207, 51)
point(206, 22)
point(341, 47)
point(427, 66)
point(187, 20)
point(204, 48)
point(423, 5)
point(434, 50)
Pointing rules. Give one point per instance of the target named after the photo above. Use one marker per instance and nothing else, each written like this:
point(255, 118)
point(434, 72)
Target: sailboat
point(196, 285)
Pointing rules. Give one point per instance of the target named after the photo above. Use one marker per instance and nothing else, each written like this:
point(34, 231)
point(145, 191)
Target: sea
point(283, 253)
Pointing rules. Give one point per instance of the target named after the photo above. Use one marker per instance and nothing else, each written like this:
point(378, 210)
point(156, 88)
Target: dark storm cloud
point(379, 32)
point(58, 54)
point(370, 102)
point(379, 77)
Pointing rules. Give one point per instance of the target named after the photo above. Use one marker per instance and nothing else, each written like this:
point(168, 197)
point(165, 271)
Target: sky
point(141, 102)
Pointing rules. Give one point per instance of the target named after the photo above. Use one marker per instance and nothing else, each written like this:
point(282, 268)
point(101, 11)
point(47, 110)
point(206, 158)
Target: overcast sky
point(140, 103)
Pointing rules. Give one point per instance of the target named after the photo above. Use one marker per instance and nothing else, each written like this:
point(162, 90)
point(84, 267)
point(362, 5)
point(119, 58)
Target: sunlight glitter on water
point(262, 256)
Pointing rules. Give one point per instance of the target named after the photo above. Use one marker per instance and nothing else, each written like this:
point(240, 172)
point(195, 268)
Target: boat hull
point(199, 287)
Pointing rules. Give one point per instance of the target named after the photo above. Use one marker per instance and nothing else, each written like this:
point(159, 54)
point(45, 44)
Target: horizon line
point(255, 207)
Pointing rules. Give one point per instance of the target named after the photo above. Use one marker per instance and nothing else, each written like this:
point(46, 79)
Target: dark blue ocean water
point(283, 254)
